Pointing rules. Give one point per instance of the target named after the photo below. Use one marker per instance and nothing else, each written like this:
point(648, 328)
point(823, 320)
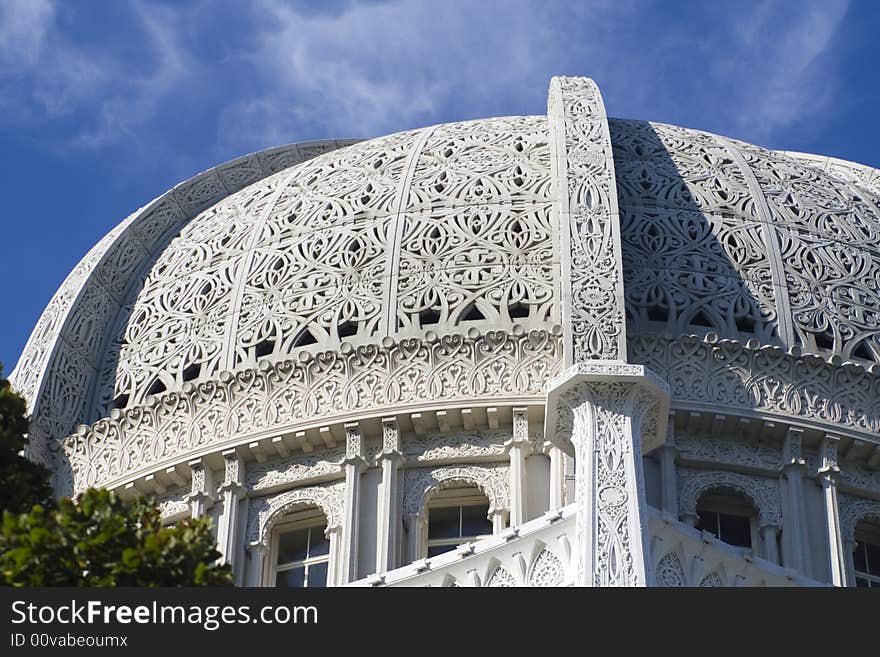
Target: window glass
point(318, 575)
point(475, 521)
point(319, 544)
point(872, 553)
point(708, 521)
point(735, 530)
point(293, 546)
point(434, 550)
point(860, 561)
point(294, 578)
point(444, 522)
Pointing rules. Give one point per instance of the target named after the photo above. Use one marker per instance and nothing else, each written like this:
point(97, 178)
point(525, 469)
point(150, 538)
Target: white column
point(232, 490)
point(607, 411)
point(499, 520)
point(668, 474)
point(518, 448)
point(416, 528)
point(557, 478)
point(569, 486)
point(336, 558)
point(769, 543)
point(388, 509)
point(353, 464)
point(201, 495)
point(849, 547)
point(257, 553)
point(828, 475)
point(793, 468)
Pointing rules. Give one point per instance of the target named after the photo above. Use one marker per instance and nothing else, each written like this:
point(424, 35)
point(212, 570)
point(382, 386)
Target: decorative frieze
point(419, 483)
point(283, 396)
point(763, 492)
point(264, 511)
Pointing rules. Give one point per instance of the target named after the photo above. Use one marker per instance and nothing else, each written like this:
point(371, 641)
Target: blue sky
point(105, 105)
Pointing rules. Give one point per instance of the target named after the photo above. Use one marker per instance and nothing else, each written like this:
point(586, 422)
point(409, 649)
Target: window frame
point(314, 519)
point(867, 534)
point(738, 505)
point(472, 497)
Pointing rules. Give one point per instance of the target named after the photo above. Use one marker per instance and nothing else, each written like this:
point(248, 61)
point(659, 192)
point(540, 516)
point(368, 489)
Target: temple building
point(545, 350)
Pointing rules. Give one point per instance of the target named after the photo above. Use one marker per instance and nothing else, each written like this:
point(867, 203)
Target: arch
point(762, 492)
point(423, 483)
point(264, 512)
point(854, 512)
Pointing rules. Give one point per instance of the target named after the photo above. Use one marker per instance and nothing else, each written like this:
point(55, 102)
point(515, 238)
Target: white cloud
point(779, 75)
point(374, 68)
point(46, 75)
point(23, 28)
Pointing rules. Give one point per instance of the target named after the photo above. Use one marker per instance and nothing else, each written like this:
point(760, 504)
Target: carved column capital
point(634, 389)
point(608, 413)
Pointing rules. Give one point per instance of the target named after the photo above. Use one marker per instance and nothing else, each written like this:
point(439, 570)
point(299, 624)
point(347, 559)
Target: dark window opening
point(191, 372)
point(746, 324)
point(347, 329)
point(120, 402)
point(473, 314)
point(518, 310)
point(825, 341)
point(264, 348)
point(700, 319)
point(304, 339)
point(658, 314)
point(156, 388)
point(428, 317)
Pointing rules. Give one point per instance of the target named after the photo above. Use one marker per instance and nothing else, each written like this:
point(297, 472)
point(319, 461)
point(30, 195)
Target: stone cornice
point(289, 395)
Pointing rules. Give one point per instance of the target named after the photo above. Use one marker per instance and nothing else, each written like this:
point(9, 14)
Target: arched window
point(301, 550)
point(729, 516)
point(866, 557)
point(456, 515)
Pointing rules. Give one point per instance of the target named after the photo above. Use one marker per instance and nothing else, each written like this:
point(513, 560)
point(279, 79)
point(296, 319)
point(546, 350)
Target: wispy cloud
point(48, 75)
point(290, 71)
point(781, 75)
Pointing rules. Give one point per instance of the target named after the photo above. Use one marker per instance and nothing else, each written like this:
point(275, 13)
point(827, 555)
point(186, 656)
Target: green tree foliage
point(100, 540)
point(23, 483)
point(96, 539)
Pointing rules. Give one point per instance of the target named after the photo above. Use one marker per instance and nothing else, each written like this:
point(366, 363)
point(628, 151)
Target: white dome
point(446, 234)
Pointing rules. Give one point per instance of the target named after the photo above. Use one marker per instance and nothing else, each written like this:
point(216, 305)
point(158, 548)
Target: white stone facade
point(595, 324)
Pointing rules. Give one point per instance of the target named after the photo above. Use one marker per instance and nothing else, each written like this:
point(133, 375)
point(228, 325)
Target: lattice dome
point(593, 331)
point(448, 231)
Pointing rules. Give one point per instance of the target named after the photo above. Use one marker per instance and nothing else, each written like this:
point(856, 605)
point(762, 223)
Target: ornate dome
point(446, 235)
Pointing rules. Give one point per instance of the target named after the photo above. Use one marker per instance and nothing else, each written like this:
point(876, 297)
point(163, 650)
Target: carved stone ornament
point(421, 483)
point(604, 411)
point(293, 394)
point(762, 492)
point(589, 225)
point(852, 511)
point(263, 512)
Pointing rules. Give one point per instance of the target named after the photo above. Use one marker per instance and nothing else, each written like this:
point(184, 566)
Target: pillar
point(607, 412)
point(557, 478)
point(770, 543)
point(518, 448)
point(353, 465)
point(336, 558)
point(829, 473)
point(417, 528)
point(257, 553)
point(668, 473)
point(388, 510)
point(232, 491)
point(201, 495)
point(793, 469)
point(499, 520)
